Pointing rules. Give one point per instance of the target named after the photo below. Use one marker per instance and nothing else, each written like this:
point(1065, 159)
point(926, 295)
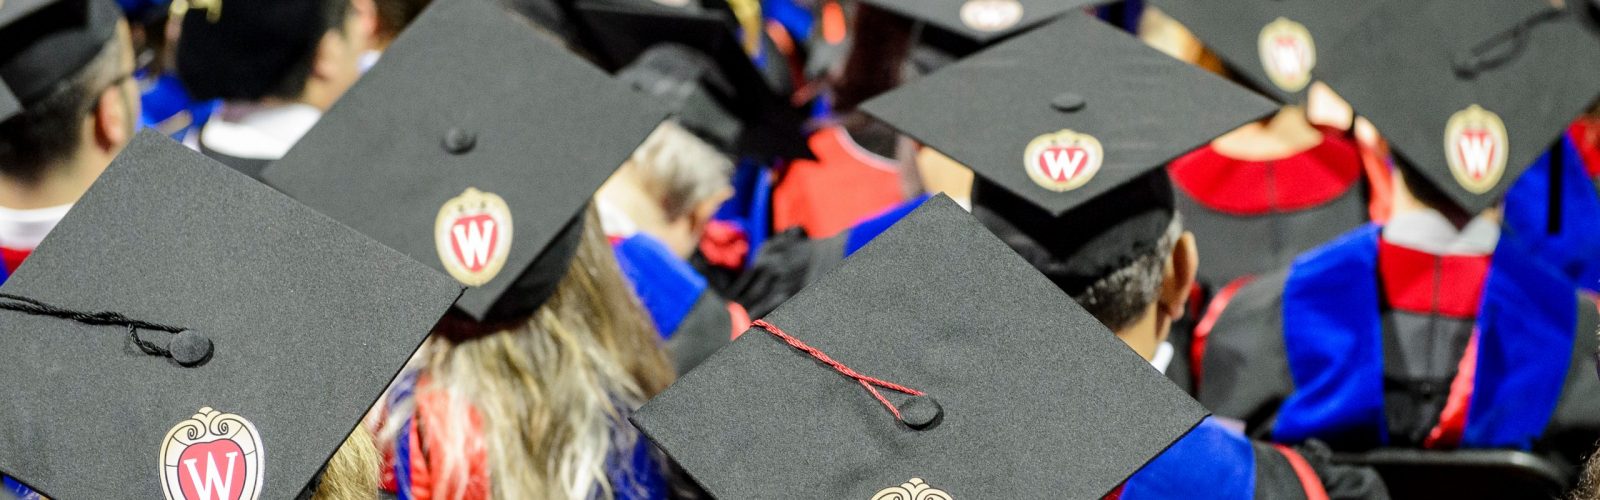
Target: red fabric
point(1585, 134)
point(1202, 330)
point(13, 257)
point(1309, 482)
point(427, 475)
point(834, 25)
point(1115, 494)
point(741, 319)
point(1453, 419)
point(1240, 187)
point(867, 382)
point(724, 245)
point(842, 187)
point(1420, 282)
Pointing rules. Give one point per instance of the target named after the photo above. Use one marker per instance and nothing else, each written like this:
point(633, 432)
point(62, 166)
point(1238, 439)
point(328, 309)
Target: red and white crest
point(1287, 54)
point(473, 236)
point(991, 15)
point(1063, 161)
point(212, 456)
point(1476, 147)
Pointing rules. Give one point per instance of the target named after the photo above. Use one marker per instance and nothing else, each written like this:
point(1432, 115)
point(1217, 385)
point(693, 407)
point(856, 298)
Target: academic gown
point(692, 319)
point(1362, 344)
point(248, 166)
point(1215, 462)
point(843, 186)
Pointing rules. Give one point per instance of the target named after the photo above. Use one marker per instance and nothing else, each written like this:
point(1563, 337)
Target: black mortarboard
point(961, 27)
point(492, 141)
point(1024, 395)
point(1270, 44)
point(304, 320)
point(43, 42)
point(689, 59)
point(1069, 145)
point(1468, 92)
point(244, 49)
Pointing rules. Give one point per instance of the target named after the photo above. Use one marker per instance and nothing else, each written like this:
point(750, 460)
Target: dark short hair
point(47, 132)
point(266, 49)
point(395, 15)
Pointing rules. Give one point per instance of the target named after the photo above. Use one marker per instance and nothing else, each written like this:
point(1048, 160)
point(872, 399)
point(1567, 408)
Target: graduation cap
point(186, 329)
point(44, 42)
point(961, 27)
point(1069, 145)
point(933, 359)
point(689, 59)
point(242, 49)
point(1468, 92)
point(1270, 44)
point(493, 139)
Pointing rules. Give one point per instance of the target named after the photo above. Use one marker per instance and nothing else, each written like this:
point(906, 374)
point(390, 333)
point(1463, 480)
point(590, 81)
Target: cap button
point(1068, 102)
point(921, 412)
point(190, 348)
point(1465, 64)
point(457, 141)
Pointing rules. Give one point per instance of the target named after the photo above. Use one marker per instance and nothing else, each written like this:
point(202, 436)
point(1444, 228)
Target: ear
point(113, 124)
point(364, 22)
point(703, 211)
point(1179, 280)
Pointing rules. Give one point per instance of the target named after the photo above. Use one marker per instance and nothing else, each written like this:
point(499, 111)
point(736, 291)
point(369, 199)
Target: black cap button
point(1068, 102)
point(190, 348)
point(921, 412)
point(457, 141)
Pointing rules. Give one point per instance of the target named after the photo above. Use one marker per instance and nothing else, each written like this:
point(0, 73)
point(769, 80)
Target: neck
point(1144, 334)
point(59, 185)
point(1282, 135)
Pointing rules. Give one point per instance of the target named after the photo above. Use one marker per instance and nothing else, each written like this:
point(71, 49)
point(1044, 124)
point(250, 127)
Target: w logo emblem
point(1475, 144)
point(1287, 54)
point(1063, 161)
point(473, 236)
point(212, 456)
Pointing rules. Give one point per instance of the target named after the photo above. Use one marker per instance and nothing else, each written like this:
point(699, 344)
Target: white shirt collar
point(1429, 231)
point(258, 132)
point(1163, 357)
point(24, 229)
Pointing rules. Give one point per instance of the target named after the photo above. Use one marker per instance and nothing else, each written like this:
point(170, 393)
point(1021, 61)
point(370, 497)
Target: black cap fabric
point(43, 42)
point(1271, 44)
point(1468, 92)
point(305, 323)
point(689, 59)
point(1024, 395)
point(242, 49)
point(1069, 145)
point(473, 146)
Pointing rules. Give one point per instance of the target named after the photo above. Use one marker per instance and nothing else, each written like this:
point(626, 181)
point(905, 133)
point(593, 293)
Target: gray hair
point(680, 169)
point(1119, 298)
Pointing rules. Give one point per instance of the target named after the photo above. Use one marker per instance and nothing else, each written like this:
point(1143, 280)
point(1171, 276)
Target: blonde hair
point(551, 393)
point(679, 169)
point(352, 473)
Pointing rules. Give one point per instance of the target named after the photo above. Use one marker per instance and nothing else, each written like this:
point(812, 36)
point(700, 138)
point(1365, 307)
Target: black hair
point(47, 132)
point(209, 71)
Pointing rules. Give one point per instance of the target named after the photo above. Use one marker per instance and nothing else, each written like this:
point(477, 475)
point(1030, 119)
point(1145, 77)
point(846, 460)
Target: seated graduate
point(1070, 175)
point(1438, 330)
point(933, 364)
point(225, 356)
point(277, 65)
point(1260, 195)
point(491, 149)
point(68, 104)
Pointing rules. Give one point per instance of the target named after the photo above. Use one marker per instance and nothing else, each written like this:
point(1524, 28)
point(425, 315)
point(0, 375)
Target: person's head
point(551, 390)
point(393, 16)
point(1141, 300)
point(78, 125)
point(671, 186)
point(274, 51)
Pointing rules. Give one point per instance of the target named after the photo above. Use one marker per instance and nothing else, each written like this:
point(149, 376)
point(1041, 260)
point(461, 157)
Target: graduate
point(491, 149)
point(68, 104)
point(1260, 195)
point(276, 65)
point(1070, 177)
point(935, 364)
point(159, 354)
point(1438, 330)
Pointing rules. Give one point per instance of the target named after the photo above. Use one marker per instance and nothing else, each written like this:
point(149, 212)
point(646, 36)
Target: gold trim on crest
point(991, 15)
point(1301, 52)
point(1483, 170)
point(475, 253)
point(914, 489)
point(1048, 170)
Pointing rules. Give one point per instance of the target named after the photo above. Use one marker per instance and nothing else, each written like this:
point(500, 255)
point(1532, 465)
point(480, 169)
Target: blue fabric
point(750, 208)
point(1334, 342)
point(666, 284)
point(18, 489)
point(165, 98)
point(3, 274)
point(1333, 339)
point(864, 232)
point(1575, 249)
point(642, 479)
point(795, 19)
point(1525, 337)
point(404, 388)
point(1211, 461)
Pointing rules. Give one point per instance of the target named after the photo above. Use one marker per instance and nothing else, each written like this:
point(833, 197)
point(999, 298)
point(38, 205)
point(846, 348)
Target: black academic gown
point(248, 166)
point(1365, 345)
